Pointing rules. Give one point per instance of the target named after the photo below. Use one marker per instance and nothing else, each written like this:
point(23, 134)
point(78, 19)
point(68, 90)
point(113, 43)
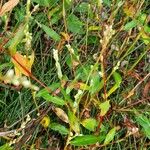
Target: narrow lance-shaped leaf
point(95, 83)
point(83, 7)
point(74, 122)
point(44, 91)
point(50, 32)
point(130, 25)
point(59, 128)
point(145, 37)
point(86, 140)
point(104, 107)
point(89, 123)
point(110, 136)
point(53, 99)
point(74, 24)
point(145, 123)
point(118, 80)
point(6, 147)
point(16, 40)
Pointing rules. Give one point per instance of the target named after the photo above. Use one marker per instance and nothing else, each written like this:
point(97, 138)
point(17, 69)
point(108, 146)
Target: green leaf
point(89, 123)
point(110, 136)
point(55, 14)
point(145, 123)
point(44, 91)
point(118, 80)
point(93, 40)
point(16, 40)
point(59, 128)
point(142, 18)
point(74, 24)
point(130, 25)
point(5, 65)
point(51, 33)
point(145, 38)
point(19, 14)
point(54, 99)
point(83, 7)
point(6, 147)
point(107, 2)
point(45, 3)
point(69, 61)
point(104, 107)
point(53, 11)
point(95, 83)
point(86, 140)
point(68, 4)
point(82, 72)
point(74, 122)
point(147, 29)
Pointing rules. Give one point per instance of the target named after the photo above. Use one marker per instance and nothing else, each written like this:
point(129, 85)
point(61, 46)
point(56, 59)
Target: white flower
point(35, 88)
point(100, 73)
point(75, 105)
point(71, 50)
point(10, 74)
point(55, 55)
point(15, 81)
point(26, 83)
point(117, 66)
point(101, 1)
point(123, 63)
point(28, 118)
point(79, 93)
point(95, 56)
point(23, 125)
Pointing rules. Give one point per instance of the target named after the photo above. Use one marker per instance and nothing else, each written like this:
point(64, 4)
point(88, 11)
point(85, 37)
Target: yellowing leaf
point(22, 63)
point(74, 122)
point(84, 86)
point(8, 6)
point(118, 79)
point(45, 121)
point(129, 9)
point(104, 107)
point(89, 123)
point(61, 114)
point(110, 135)
point(94, 28)
point(145, 38)
point(66, 36)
